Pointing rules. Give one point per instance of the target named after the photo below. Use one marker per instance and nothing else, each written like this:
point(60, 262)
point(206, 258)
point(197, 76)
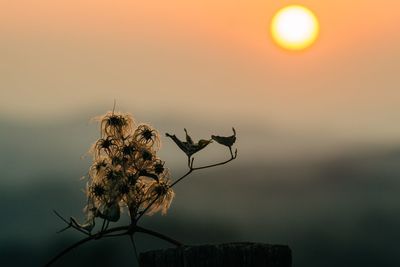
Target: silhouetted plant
point(126, 174)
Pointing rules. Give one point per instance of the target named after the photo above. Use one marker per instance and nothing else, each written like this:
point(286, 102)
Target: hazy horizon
point(318, 132)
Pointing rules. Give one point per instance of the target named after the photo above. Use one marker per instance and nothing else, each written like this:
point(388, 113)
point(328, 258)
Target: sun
point(294, 27)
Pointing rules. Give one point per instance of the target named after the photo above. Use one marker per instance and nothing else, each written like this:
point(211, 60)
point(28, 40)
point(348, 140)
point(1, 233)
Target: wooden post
point(230, 255)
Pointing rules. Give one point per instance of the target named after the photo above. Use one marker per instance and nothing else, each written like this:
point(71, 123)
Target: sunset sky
point(318, 130)
point(202, 58)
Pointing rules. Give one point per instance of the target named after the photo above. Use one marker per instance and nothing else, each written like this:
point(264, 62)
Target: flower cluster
point(126, 172)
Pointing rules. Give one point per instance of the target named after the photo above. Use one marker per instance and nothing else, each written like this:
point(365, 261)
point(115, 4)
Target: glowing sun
point(294, 27)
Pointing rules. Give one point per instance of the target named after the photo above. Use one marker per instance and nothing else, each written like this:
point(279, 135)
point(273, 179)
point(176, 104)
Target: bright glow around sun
point(294, 27)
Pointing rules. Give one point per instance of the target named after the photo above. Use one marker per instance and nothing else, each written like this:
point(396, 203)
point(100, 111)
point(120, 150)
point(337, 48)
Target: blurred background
point(318, 132)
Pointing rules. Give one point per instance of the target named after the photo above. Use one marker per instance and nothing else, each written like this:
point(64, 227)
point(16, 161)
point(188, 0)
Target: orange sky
point(62, 57)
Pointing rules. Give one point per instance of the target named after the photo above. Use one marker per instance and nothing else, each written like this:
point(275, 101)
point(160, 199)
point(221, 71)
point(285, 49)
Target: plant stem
point(134, 249)
point(128, 230)
point(83, 241)
point(158, 235)
point(191, 168)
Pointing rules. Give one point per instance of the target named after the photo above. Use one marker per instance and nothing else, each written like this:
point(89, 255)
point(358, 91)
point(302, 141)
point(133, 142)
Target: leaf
point(189, 139)
point(182, 145)
point(189, 147)
point(225, 140)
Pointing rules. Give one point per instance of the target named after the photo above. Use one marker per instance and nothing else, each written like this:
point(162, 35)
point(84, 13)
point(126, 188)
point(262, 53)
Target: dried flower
point(97, 190)
point(148, 136)
point(126, 170)
point(158, 166)
point(114, 124)
point(160, 196)
point(126, 174)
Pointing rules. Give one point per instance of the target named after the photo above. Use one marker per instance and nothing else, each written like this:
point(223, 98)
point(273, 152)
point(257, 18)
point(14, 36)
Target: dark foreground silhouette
point(230, 254)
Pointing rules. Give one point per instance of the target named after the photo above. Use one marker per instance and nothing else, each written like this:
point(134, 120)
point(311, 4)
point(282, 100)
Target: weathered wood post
point(230, 255)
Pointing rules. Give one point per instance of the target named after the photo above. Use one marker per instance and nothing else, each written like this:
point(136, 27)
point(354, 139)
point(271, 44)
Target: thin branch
point(181, 178)
point(115, 102)
point(61, 217)
point(147, 208)
point(114, 235)
point(138, 229)
point(233, 156)
point(127, 230)
point(158, 235)
point(70, 224)
point(68, 249)
point(191, 168)
point(134, 248)
point(85, 240)
point(63, 229)
point(103, 227)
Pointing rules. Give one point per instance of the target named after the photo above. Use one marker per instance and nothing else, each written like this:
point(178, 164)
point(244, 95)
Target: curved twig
point(127, 230)
point(158, 235)
point(233, 156)
point(83, 241)
point(69, 224)
point(191, 168)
